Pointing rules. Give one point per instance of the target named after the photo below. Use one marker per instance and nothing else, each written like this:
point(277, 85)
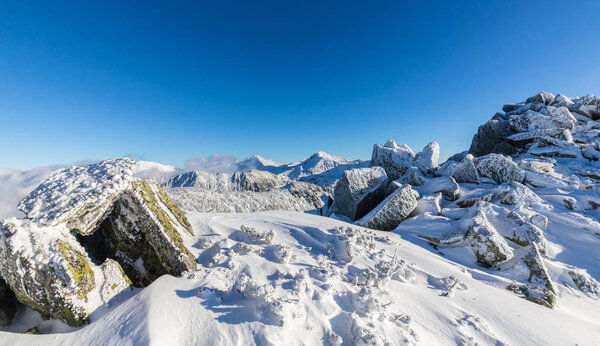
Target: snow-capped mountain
point(497, 245)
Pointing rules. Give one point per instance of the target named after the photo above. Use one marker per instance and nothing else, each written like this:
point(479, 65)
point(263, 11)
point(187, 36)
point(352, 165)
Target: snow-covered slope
point(315, 280)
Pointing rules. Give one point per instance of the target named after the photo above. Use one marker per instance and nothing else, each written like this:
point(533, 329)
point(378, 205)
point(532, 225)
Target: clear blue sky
point(282, 79)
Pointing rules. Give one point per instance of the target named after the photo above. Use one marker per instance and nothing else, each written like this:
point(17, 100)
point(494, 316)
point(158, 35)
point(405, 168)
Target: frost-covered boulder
point(78, 196)
point(446, 185)
point(413, 177)
point(395, 159)
point(393, 186)
point(395, 208)
point(427, 160)
point(465, 171)
point(525, 233)
point(144, 233)
point(488, 245)
point(49, 271)
point(358, 191)
point(585, 282)
point(538, 274)
point(499, 168)
point(514, 193)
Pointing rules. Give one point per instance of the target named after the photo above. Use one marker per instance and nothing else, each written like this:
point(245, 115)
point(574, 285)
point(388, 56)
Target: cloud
point(15, 185)
point(215, 163)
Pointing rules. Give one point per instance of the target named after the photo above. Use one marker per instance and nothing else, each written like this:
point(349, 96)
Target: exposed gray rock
point(395, 208)
point(8, 304)
point(499, 168)
point(427, 160)
point(466, 172)
point(525, 233)
point(488, 136)
point(393, 186)
point(358, 191)
point(542, 97)
point(488, 245)
point(395, 159)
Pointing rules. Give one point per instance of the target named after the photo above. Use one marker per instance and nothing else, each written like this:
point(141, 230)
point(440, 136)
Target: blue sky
point(282, 79)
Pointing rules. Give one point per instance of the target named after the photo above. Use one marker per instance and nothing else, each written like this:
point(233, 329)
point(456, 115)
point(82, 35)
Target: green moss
point(68, 316)
point(152, 203)
point(178, 213)
point(79, 268)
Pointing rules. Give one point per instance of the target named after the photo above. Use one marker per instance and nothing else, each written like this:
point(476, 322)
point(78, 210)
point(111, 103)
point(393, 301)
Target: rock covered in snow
point(427, 160)
point(465, 171)
point(488, 136)
point(51, 272)
point(514, 193)
point(395, 208)
point(446, 185)
point(78, 196)
point(395, 159)
point(485, 241)
point(499, 168)
point(413, 177)
point(359, 191)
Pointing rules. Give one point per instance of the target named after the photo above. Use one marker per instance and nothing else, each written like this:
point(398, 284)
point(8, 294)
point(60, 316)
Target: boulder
point(49, 271)
point(395, 208)
point(514, 193)
point(78, 196)
point(524, 233)
point(488, 245)
point(395, 159)
point(413, 177)
point(143, 233)
point(488, 136)
point(358, 191)
point(499, 168)
point(393, 186)
point(429, 204)
point(446, 185)
point(543, 97)
point(427, 160)
point(465, 171)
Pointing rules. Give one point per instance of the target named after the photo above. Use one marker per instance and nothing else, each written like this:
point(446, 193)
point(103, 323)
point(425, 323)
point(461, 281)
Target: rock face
point(8, 304)
point(427, 160)
point(485, 241)
point(359, 191)
point(395, 208)
point(465, 171)
point(50, 271)
point(395, 159)
point(541, 125)
point(143, 232)
point(124, 221)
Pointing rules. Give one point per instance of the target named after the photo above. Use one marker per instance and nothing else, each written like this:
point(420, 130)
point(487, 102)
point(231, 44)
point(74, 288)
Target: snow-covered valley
point(497, 245)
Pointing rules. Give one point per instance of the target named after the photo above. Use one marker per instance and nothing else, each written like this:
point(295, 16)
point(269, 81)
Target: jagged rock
point(143, 233)
point(427, 160)
point(488, 136)
point(499, 168)
point(542, 97)
point(538, 273)
point(358, 191)
point(465, 171)
point(8, 304)
point(395, 208)
point(413, 177)
point(525, 233)
point(395, 159)
point(561, 101)
point(78, 196)
point(585, 282)
point(49, 271)
point(488, 245)
point(514, 193)
point(473, 198)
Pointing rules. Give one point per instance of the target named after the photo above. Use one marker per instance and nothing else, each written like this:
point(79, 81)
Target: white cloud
point(215, 163)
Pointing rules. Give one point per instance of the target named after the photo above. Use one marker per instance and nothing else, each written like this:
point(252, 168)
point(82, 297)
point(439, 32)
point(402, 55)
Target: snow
point(342, 285)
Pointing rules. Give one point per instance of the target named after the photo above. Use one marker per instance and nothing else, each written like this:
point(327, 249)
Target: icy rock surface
point(395, 159)
point(499, 168)
point(485, 241)
point(359, 191)
point(78, 196)
point(395, 208)
point(427, 159)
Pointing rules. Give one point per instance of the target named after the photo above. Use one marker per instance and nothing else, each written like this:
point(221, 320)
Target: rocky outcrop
point(127, 223)
point(395, 159)
point(49, 271)
point(395, 208)
point(359, 191)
